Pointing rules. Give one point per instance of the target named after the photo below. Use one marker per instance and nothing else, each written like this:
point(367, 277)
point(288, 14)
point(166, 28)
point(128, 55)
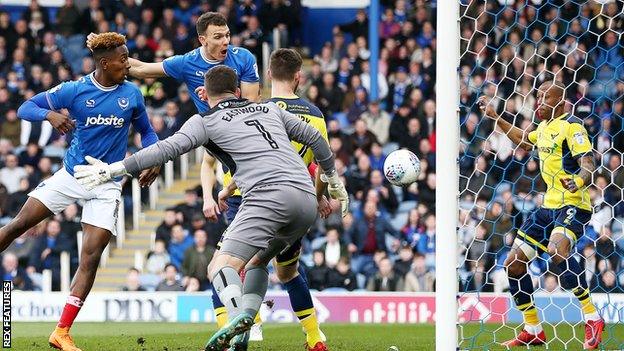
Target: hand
point(352, 248)
point(384, 192)
point(570, 184)
point(90, 38)
point(31, 270)
point(337, 191)
point(45, 253)
point(97, 172)
point(147, 176)
point(324, 208)
point(485, 105)
point(201, 92)
point(223, 196)
point(211, 210)
point(60, 122)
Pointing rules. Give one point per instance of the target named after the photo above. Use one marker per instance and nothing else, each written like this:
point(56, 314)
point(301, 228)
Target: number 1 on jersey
point(265, 134)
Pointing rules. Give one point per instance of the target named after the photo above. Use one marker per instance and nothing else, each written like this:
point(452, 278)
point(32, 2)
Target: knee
point(558, 253)
point(515, 268)
point(286, 273)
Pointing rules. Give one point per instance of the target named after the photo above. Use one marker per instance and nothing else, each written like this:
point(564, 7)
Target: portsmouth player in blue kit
point(102, 106)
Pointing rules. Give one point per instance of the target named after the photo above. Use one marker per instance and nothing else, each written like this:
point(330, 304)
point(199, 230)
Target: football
point(402, 167)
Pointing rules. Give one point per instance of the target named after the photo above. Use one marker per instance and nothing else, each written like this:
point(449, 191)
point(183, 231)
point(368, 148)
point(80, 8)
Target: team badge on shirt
point(123, 102)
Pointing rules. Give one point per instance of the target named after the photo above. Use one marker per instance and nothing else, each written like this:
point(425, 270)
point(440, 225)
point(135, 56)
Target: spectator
point(385, 279)
point(11, 174)
point(333, 248)
point(342, 276)
point(418, 279)
point(362, 138)
point(47, 253)
point(317, 274)
point(11, 271)
point(189, 207)
point(163, 232)
point(197, 258)
point(403, 264)
point(158, 258)
point(11, 127)
point(192, 285)
point(377, 121)
point(367, 236)
point(357, 28)
point(382, 83)
point(133, 282)
point(387, 197)
point(180, 242)
point(170, 281)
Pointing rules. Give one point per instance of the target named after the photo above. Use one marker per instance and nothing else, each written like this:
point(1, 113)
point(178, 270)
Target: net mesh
point(509, 48)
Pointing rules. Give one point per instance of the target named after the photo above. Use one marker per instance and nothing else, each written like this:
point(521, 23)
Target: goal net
point(508, 48)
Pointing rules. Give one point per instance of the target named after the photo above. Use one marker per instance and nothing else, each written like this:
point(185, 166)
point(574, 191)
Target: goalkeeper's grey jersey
point(251, 139)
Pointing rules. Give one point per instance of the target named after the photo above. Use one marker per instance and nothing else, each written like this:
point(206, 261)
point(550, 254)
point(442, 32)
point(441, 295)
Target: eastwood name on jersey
point(238, 111)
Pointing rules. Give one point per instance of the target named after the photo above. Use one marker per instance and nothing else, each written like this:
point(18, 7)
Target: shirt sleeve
point(141, 123)
point(577, 140)
point(174, 66)
point(191, 135)
point(304, 133)
point(249, 72)
point(61, 96)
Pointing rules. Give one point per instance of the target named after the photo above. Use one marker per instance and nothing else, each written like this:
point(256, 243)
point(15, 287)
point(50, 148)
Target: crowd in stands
point(387, 241)
point(506, 52)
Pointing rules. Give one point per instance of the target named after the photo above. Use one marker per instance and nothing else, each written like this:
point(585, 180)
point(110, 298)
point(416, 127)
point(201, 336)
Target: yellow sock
point(257, 320)
point(222, 316)
point(311, 327)
point(530, 316)
point(587, 306)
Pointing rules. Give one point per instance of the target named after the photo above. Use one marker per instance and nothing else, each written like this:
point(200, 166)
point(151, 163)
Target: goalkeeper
point(566, 163)
point(279, 202)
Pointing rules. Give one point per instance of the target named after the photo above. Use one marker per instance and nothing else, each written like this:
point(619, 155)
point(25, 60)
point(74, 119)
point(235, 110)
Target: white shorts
point(100, 204)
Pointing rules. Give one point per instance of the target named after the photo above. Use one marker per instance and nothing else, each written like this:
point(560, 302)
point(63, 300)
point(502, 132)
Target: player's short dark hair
point(284, 63)
point(207, 19)
point(220, 80)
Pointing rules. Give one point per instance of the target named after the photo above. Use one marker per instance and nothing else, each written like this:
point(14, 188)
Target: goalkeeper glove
point(97, 172)
point(337, 190)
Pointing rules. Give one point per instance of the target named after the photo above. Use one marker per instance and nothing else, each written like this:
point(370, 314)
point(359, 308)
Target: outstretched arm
point(142, 70)
point(517, 135)
point(191, 135)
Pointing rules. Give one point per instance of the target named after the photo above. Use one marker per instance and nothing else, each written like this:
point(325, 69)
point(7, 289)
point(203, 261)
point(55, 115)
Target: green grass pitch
point(342, 337)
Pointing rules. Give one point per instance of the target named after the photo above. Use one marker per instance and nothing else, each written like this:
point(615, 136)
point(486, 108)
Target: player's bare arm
point(225, 193)
point(250, 91)
point(586, 162)
point(518, 136)
point(208, 179)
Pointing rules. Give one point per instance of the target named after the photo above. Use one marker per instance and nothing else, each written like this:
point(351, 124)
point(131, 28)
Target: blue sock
point(300, 298)
point(571, 274)
point(216, 301)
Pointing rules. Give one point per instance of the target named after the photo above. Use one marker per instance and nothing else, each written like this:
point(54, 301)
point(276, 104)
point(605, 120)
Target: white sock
point(594, 316)
point(533, 329)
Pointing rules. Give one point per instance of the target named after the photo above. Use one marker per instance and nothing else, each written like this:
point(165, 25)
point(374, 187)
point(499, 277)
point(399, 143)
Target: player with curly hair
point(102, 106)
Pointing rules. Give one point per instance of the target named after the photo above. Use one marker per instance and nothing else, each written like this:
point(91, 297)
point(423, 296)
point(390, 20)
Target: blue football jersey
point(103, 116)
point(191, 67)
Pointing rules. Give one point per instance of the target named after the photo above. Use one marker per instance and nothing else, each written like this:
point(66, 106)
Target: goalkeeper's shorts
point(534, 235)
point(287, 258)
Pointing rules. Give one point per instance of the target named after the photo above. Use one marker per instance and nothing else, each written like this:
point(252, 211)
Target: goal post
point(447, 173)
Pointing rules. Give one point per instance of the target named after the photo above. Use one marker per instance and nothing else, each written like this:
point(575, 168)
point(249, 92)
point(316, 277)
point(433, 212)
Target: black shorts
point(537, 228)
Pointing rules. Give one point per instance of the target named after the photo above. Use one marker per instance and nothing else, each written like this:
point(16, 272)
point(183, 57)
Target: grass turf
point(342, 337)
